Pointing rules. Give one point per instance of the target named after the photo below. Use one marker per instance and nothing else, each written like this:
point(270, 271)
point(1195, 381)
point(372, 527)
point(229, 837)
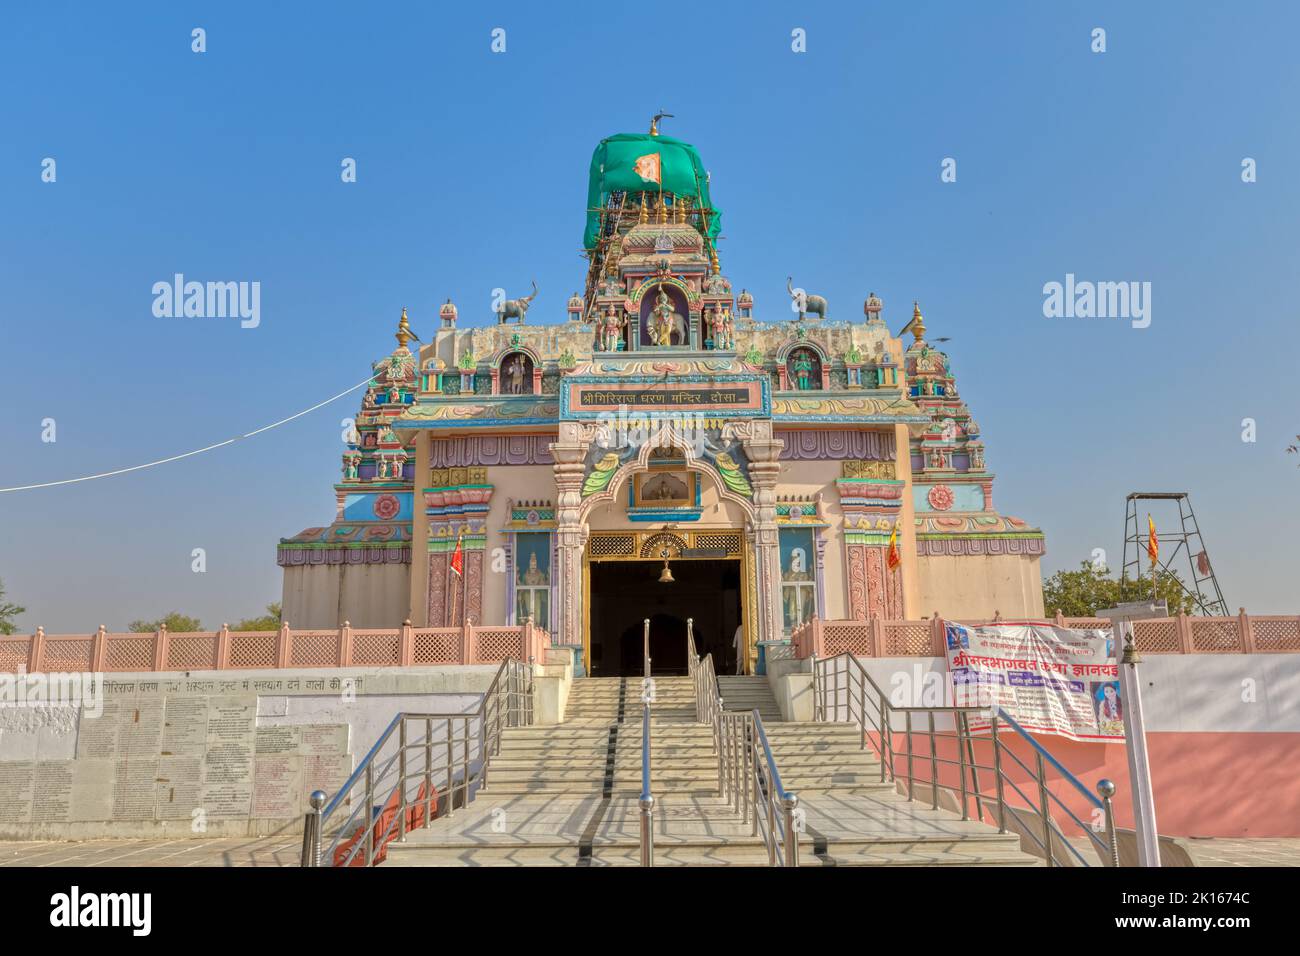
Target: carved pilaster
point(764, 452)
point(570, 454)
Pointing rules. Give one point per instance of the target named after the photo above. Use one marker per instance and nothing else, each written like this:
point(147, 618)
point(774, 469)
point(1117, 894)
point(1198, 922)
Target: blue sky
point(1124, 165)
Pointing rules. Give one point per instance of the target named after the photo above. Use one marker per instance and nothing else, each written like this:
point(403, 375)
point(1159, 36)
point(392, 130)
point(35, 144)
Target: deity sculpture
point(515, 375)
point(611, 330)
point(803, 367)
point(381, 467)
point(661, 320)
point(728, 330)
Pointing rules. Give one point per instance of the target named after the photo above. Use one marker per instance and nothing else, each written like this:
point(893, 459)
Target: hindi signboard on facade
point(1051, 680)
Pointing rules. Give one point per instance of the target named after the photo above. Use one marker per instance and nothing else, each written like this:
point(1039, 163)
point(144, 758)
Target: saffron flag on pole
point(458, 558)
point(1153, 543)
point(892, 559)
point(650, 168)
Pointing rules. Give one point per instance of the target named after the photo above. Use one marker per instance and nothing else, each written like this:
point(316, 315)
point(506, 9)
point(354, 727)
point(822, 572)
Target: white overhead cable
point(196, 451)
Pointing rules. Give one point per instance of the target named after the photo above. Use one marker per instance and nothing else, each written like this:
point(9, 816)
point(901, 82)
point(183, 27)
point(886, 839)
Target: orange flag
point(649, 168)
point(1153, 544)
point(892, 559)
point(458, 558)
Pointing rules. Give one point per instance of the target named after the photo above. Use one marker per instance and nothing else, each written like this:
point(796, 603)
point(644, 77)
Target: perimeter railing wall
point(876, 637)
point(347, 646)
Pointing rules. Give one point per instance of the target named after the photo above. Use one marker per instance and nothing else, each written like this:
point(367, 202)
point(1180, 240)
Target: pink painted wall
point(1206, 783)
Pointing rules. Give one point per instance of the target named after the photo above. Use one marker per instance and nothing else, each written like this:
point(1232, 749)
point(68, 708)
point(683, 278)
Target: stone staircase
point(746, 693)
point(567, 795)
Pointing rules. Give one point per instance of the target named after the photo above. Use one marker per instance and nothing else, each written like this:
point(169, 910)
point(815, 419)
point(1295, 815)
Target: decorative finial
point(661, 212)
point(654, 123)
point(714, 267)
point(643, 215)
point(404, 333)
point(918, 323)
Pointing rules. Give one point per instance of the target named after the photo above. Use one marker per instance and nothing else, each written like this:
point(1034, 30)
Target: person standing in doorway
point(739, 644)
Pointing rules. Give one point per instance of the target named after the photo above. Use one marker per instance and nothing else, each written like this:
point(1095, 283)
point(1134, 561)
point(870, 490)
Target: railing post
point(467, 642)
point(1106, 790)
point(428, 767)
point(886, 739)
point(406, 647)
point(817, 710)
point(877, 627)
point(960, 739)
point(345, 644)
point(788, 805)
point(997, 775)
point(1043, 808)
point(770, 800)
point(451, 774)
point(936, 636)
point(223, 648)
point(1184, 625)
point(369, 813)
point(401, 779)
point(1245, 642)
point(819, 639)
point(1060, 618)
point(98, 650)
point(645, 654)
point(36, 653)
point(907, 722)
point(160, 648)
point(311, 830)
point(647, 804)
point(282, 655)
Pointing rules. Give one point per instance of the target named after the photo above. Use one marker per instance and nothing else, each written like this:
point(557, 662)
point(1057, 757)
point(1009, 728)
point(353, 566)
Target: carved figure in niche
point(515, 371)
point(611, 330)
point(534, 576)
point(666, 322)
point(803, 367)
point(728, 330)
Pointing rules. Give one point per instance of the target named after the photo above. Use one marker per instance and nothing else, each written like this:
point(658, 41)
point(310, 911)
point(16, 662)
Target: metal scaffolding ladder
point(1187, 544)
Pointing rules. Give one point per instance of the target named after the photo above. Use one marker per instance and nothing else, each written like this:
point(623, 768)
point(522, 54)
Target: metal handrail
point(647, 800)
point(400, 771)
point(748, 777)
point(858, 698)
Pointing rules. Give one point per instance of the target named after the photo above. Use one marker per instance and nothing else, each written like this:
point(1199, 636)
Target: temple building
point(662, 447)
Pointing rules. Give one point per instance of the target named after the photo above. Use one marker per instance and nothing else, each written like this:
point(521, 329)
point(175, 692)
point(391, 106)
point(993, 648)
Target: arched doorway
point(625, 593)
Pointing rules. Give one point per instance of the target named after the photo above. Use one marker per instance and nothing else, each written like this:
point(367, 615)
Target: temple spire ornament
point(917, 324)
point(404, 333)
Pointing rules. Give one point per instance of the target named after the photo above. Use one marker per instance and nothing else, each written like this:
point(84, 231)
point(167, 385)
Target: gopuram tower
point(655, 446)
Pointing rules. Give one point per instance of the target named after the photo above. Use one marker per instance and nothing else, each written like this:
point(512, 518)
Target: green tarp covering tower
point(614, 169)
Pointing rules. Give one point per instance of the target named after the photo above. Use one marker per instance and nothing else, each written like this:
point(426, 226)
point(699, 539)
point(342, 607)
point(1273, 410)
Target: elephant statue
point(812, 304)
point(517, 308)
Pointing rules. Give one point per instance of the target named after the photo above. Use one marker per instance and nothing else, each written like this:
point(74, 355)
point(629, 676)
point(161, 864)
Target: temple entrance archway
point(624, 593)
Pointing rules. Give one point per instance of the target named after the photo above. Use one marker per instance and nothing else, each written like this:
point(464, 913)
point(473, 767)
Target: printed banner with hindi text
point(1051, 680)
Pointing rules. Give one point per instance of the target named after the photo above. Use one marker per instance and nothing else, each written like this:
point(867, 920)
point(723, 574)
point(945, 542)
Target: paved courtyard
point(284, 851)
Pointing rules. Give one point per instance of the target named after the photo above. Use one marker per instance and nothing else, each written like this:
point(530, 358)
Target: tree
point(270, 621)
point(1084, 592)
point(175, 621)
point(8, 612)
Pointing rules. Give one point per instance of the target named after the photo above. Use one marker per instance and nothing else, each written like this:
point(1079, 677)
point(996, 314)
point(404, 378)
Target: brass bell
point(666, 575)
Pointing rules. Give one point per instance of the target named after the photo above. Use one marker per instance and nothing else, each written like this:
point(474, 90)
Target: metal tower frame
point(1204, 586)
